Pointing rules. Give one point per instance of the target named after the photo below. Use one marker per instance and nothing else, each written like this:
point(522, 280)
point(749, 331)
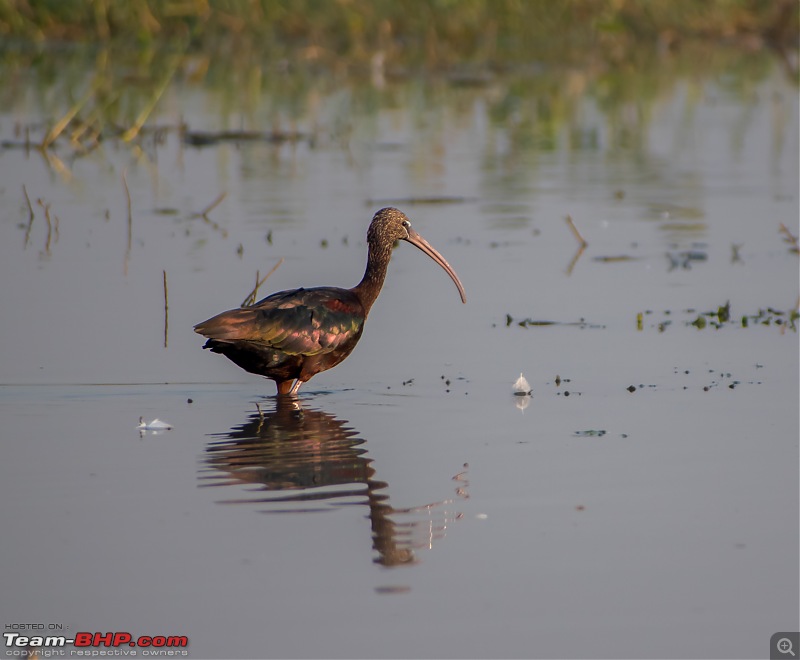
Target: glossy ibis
point(292, 335)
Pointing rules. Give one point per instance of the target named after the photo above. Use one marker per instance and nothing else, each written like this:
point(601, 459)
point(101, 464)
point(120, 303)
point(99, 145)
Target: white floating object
point(522, 387)
point(155, 425)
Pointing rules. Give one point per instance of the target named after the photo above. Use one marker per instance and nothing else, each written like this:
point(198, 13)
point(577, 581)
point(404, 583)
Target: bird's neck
point(370, 285)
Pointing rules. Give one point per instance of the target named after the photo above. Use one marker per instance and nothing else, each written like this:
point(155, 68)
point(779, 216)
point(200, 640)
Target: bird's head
point(390, 225)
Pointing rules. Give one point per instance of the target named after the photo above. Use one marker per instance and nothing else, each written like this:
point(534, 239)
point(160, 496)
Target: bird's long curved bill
point(415, 239)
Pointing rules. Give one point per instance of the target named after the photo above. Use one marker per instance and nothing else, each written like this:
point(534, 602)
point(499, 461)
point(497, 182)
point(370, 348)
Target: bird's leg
point(284, 387)
point(289, 388)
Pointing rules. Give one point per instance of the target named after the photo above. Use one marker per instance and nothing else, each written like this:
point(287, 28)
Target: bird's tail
point(233, 325)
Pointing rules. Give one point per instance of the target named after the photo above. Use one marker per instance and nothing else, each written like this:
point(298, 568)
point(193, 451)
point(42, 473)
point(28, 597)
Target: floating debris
point(208, 139)
point(522, 387)
point(529, 322)
point(615, 258)
point(522, 393)
point(393, 589)
point(685, 259)
point(155, 425)
point(590, 433)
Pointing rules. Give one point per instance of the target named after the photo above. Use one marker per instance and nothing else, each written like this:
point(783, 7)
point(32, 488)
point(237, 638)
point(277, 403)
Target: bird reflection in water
point(305, 460)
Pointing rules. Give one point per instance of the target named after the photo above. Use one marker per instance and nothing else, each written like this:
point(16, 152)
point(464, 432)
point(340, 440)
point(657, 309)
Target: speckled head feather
point(388, 226)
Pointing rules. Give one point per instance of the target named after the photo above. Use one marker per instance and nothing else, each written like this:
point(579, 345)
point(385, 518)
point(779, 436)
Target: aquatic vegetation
point(722, 317)
point(714, 318)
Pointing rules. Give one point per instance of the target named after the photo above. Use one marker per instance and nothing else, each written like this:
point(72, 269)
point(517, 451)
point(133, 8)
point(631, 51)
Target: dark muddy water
point(642, 503)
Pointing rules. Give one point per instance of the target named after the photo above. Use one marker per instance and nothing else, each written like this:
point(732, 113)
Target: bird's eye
point(406, 224)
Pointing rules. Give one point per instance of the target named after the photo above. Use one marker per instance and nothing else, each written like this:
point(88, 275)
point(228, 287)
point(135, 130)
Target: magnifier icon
point(785, 646)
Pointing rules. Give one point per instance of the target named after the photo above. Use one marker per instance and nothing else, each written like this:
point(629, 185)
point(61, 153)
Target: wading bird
point(291, 336)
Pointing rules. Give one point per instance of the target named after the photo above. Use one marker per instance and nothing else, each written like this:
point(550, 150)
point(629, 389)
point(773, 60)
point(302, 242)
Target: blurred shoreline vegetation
point(98, 69)
point(430, 33)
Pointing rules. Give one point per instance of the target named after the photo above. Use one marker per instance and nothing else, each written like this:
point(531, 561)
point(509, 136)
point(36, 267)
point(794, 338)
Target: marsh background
point(157, 157)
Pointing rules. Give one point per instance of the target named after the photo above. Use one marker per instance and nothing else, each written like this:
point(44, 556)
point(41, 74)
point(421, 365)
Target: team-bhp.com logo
point(94, 640)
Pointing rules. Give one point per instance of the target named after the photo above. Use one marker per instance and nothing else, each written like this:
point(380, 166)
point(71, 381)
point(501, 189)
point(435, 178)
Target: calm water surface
point(410, 505)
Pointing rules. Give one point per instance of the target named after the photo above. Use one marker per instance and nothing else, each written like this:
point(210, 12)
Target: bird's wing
point(296, 322)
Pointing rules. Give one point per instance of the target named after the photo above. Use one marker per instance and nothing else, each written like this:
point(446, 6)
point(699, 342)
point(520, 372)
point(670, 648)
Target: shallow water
point(412, 506)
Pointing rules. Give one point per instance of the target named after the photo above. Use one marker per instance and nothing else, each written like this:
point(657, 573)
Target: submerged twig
point(261, 419)
point(575, 258)
point(251, 298)
point(46, 208)
point(30, 216)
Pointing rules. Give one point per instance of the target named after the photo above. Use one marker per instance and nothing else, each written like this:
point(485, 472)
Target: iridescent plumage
point(291, 336)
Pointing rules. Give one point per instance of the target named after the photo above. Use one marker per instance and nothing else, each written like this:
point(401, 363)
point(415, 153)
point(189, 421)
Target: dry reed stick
point(251, 298)
point(575, 232)
point(130, 219)
point(62, 123)
point(166, 309)
point(582, 244)
point(204, 213)
point(133, 131)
